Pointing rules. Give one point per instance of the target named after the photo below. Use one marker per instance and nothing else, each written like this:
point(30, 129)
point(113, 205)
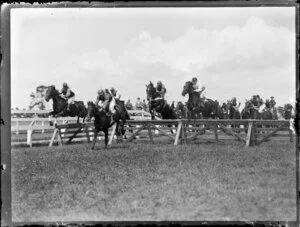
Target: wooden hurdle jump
point(186, 130)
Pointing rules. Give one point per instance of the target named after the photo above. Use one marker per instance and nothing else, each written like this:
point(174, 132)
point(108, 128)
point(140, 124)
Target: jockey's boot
point(68, 107)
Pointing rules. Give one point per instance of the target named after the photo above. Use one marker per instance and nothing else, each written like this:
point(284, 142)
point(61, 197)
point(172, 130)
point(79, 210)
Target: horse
point(224, 111)
point(266, 115)
point(181, 110)
point(288, 111)
point(157, 103)
point(103, 121)
point(199, 108)
point(234, 112)
point(60, 106)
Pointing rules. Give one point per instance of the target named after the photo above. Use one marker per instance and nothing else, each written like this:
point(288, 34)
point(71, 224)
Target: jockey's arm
point(99, 103)
point(118, 96)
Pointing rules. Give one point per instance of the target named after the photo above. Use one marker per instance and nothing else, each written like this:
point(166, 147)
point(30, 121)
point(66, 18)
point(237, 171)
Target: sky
point(233, 51)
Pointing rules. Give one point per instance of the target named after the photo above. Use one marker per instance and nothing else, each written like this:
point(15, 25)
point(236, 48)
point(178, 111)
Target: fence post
point(43, 124)
point(29, 134)
point(17, 124)
point(112, 134)
point(29, 137)
point(149, 132)
point(249, 134)
point(216, 131)
point(53, 137)
point(178, 133)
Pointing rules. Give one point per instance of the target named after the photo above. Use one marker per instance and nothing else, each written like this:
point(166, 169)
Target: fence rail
point(186, 130)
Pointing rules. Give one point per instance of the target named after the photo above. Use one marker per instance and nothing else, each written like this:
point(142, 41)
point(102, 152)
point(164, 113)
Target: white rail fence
point(28, 125)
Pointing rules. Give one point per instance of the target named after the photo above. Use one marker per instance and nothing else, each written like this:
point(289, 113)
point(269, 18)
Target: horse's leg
point(106, 137)
point(118, 132)
point(95, 138)
point(50, 119)
point(78, 119)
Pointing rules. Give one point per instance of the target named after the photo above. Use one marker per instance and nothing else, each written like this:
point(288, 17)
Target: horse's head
point(91, 110)
point(150, 90)
point(187, 88)
point(50, 92)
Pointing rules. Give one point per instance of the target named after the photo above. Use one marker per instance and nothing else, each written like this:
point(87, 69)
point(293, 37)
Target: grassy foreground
point(220, 181)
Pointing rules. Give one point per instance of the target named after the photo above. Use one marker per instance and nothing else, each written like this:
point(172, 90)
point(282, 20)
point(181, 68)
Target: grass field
point(139, 181)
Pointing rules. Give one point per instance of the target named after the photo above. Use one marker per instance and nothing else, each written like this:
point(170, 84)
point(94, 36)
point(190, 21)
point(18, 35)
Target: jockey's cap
point(272, 97)
point(32, 94)
point(65, 84)
point(234, 98)
point(100, 91)
point(159, 82)
point(194, 79)
point(112, 89)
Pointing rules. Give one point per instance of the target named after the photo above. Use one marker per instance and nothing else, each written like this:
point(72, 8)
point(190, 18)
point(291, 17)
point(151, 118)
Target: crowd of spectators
point(139, 105)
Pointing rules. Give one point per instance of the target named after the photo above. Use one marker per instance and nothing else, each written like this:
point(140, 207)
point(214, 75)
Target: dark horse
point(157, 103)
point(60, 106)
point(197, 107)
point(181, 110)
point(103, 121)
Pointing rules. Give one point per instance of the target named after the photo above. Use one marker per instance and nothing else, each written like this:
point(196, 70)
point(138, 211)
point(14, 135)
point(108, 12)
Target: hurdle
point(185, 130)
point(66, 133)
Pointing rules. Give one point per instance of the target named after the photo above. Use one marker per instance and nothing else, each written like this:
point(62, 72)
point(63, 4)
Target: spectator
point(129, 105)
point(145, 106)
point(138, 104)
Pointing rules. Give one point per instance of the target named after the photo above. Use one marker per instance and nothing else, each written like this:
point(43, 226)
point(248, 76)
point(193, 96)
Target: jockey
point(161, 89)
point(196, 86)
point(67, 94)
point(115, 93)
point(103, 100)
point(255, 101)
point(234, 103)
point(268, 104)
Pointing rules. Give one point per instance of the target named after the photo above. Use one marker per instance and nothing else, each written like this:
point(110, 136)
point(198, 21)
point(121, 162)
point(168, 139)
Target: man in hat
point(138, 104)
point(33, 100)
point(129, 105)
point(161, 89)
point(145, 105)
point(272, 102)
point(273, 108)
point(67, 94)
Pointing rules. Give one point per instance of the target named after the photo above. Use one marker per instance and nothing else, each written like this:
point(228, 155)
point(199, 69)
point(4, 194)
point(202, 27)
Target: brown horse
point(199, 108)
point(103, 121)
point(157, 103)
point(60, 106)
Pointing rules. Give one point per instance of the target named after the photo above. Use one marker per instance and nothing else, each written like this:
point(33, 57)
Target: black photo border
point(5, 81)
